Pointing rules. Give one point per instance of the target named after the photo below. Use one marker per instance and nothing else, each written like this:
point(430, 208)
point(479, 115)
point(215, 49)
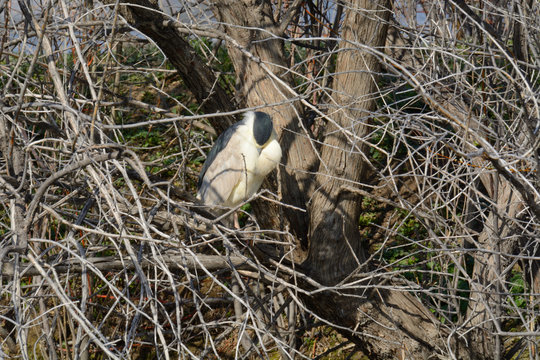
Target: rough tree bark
point(242, 21)
point(334, 211)
point(491, 266)
point(335, 247)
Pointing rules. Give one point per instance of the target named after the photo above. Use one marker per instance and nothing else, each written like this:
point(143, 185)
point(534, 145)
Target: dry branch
point(176, 263)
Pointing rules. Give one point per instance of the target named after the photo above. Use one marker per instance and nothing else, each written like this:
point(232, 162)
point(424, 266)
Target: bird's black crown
point(262, 127)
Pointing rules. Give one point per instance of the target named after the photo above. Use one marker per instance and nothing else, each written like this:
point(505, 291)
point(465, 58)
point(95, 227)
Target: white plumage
point(239, 161)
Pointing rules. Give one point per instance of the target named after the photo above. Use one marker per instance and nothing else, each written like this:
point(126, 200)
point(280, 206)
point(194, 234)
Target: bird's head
point(262, 126)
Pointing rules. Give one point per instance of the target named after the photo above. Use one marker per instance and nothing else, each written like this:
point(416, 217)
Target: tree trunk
point(259, 85)
point(403, 325)
point(335, 247)
point(491, 266)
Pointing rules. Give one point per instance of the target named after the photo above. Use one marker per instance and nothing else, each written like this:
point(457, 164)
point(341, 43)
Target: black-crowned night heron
point(239, 161)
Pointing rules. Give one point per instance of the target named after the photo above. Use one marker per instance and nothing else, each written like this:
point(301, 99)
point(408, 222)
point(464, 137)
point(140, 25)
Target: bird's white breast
point(269, 158)
point(257, 164)
point(248, 156)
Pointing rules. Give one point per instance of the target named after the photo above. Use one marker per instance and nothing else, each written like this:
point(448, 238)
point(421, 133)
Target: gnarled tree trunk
point(403, 324)
point(264, 81)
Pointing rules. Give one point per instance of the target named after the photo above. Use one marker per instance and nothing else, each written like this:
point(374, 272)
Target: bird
point(242, 156)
